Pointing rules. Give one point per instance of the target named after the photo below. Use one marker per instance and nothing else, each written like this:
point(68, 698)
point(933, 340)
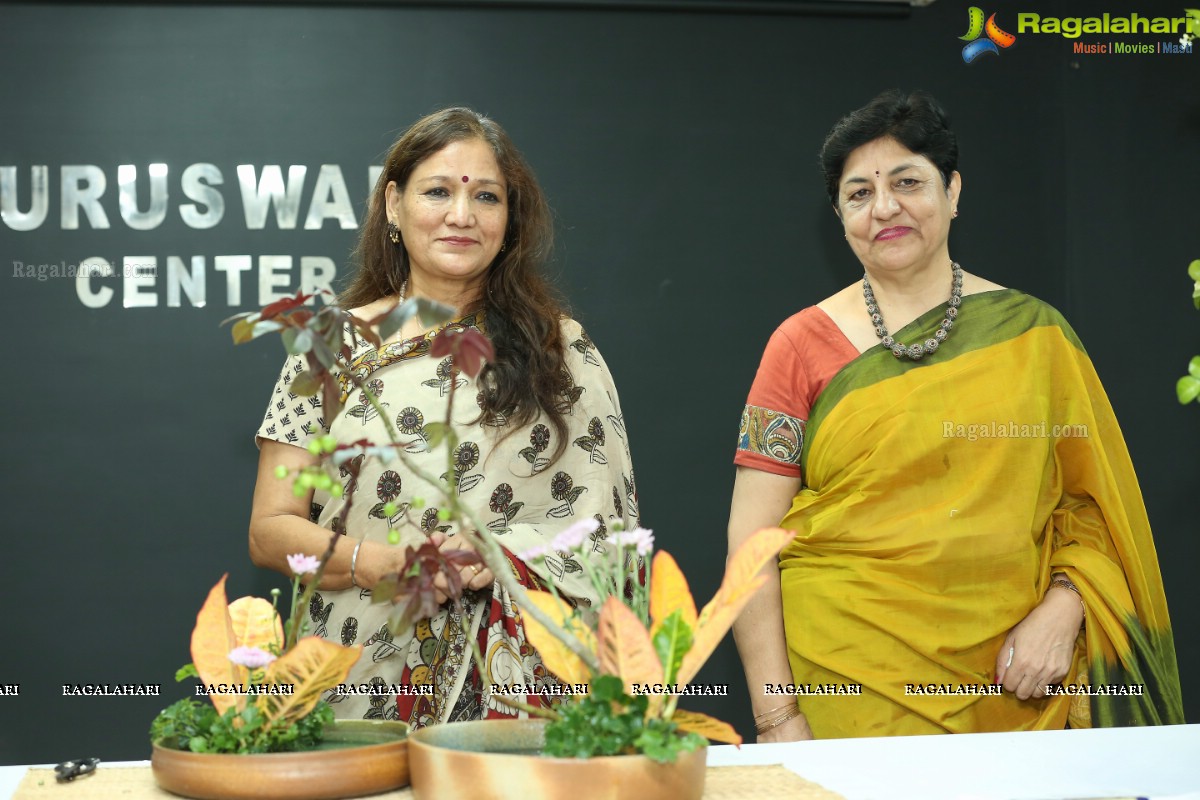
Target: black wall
point(678, 150)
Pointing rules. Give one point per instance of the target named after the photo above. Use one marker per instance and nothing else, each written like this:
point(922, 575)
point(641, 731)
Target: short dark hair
point(915, 120)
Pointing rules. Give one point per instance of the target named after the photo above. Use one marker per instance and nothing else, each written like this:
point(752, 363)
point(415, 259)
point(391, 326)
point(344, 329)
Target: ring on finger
point(476, 568)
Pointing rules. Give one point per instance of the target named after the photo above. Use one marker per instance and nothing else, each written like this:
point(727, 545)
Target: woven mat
point(137, 783)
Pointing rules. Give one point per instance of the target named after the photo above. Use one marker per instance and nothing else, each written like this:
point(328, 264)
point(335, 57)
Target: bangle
point(354, 564)
point(791, 713)
point(758, 717)
point(1064, 582)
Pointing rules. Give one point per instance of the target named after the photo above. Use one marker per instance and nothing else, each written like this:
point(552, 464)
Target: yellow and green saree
point(939, 498)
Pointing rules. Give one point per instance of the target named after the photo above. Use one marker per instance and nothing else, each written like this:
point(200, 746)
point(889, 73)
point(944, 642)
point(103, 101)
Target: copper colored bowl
point(499, 759)
point(358, 757)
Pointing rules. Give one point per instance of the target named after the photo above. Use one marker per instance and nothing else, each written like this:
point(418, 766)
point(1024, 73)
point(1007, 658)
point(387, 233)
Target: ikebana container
point(500, 760)
point(356, 758)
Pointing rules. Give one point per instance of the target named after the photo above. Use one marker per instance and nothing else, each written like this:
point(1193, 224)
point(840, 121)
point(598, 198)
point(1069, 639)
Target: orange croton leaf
point(742, 580)
point(669, 591)
point(212, 639)
point(557, 657)
point(624, 644)
point(312, 666)
point(255, 623)
point(709, 727)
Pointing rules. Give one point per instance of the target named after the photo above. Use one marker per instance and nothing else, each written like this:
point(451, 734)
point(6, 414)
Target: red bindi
point(465, 177)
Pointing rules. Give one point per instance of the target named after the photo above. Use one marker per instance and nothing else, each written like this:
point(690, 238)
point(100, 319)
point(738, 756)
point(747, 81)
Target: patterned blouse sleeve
point(291, 418)
point(592, 478)
point(771, 437)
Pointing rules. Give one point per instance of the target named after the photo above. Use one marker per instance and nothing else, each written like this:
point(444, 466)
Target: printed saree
point(509, 482)
point(939, 497)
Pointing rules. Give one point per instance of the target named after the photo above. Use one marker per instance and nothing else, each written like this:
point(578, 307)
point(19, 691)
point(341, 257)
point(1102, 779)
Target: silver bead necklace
point(917, 351)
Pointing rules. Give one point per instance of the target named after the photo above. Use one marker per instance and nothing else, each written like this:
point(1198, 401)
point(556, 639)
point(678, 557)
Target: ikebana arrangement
point(635, 653)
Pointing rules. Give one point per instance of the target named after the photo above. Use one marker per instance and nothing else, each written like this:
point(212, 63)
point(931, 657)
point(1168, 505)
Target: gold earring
point(393, 232)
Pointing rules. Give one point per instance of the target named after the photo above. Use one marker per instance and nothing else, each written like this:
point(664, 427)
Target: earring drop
point(393, 233)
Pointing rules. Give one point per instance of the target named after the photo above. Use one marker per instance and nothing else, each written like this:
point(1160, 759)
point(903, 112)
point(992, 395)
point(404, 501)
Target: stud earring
point(954, 214)
point(393, 233)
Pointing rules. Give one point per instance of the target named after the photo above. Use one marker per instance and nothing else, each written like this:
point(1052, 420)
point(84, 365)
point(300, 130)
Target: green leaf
point(1194, 367)
point(265, 327)
point(1194, 270)
point(384, 591)
point(251, 316)
point(332, 337)
point(185, 672)
point(435, 432)
point(671, 641)
point(431, 313)
point(297, 341)
point(306, 384)
point(1188, 389)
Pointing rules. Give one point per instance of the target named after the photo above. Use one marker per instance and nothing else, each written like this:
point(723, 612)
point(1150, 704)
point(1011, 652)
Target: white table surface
point(1157, 763)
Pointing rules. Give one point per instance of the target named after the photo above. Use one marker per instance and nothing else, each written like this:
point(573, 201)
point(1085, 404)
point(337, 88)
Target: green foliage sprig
point(194, 726)
point(608, 722)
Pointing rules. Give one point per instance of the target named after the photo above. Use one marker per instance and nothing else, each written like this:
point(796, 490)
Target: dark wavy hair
point(519, 308)
point(915, 120)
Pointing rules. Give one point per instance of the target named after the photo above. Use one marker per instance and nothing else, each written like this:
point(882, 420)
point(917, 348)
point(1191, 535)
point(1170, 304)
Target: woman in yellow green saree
point(972, 549)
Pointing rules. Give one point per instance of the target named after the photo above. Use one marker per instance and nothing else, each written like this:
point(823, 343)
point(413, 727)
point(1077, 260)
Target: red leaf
point(285, 304)
point(469, 348)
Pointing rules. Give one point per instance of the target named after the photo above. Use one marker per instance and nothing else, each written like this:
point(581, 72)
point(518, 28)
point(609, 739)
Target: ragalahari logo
point(996, 38)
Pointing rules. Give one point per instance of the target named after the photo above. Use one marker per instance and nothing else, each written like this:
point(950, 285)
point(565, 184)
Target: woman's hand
point(475, 576)
point(1039, 650)
point(794, 730)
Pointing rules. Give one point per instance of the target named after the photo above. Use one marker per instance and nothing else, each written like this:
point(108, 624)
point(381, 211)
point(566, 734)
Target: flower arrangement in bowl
point(635, 657)
point(264, 680)
point(642, 650)
point(633, 653)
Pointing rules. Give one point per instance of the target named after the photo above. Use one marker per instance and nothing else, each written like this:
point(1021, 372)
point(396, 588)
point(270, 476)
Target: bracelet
point(354, 564)
point(791, 713)
point(758, 717)
point(1064, 582)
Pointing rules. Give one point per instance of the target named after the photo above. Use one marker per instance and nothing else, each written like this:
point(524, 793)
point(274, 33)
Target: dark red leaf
point(331, 399)
point(285, 304)
point(300, 316)
point(469, 348)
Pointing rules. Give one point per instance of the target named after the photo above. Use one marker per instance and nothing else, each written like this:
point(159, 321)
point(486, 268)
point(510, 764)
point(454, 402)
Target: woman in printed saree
point(972, 549)
point(457, 216)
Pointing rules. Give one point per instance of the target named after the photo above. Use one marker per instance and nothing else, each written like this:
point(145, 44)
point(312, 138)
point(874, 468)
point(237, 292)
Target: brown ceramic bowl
point(497, 760)
point(358, 757)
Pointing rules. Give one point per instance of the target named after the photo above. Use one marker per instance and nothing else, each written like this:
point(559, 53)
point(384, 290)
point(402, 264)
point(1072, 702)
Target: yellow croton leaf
point(669, 591)
point(706, 726)
point(212, 639)
point(255, 623)
point(742, 580)
point(624, 646)
point(557, 657)
point(310, 667)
